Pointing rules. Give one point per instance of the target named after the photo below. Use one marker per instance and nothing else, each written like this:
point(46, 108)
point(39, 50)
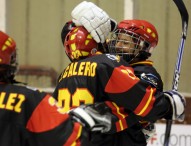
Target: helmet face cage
point(127, 44)
point(8, 71)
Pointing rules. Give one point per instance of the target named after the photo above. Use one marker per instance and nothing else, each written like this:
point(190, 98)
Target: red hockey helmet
point(142, 28)
point(79, 44)
point(144, 38)
point(7, 50)
point(8, 62)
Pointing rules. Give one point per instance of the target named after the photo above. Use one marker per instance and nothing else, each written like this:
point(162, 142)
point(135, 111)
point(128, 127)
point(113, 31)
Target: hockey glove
point(178, 104)
point(94, 19)
point(149, 131)
point(81, 116)
point(96, 117)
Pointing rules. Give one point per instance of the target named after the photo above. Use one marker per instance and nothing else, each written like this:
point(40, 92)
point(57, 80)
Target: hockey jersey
point(107, 77)
point(29, 117)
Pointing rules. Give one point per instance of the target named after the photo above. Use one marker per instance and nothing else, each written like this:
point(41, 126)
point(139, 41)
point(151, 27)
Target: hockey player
point(134, 40)
point(97, 78)
point(29, 117)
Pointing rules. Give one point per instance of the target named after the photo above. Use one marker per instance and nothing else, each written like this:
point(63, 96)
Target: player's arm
point(49, 126)
point(46, 124)
point(146, 72)
point(94, 19)
point(128, 91)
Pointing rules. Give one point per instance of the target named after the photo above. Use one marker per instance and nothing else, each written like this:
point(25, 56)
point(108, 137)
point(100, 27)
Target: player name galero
point(80, 69)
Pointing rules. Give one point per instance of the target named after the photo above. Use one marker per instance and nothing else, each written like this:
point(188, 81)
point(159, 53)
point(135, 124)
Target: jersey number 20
point(68, 101)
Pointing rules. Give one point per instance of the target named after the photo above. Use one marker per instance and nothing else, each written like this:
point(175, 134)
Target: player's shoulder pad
point(31, 88)
point(146, 62)
point(150, 78)
point(113, 57)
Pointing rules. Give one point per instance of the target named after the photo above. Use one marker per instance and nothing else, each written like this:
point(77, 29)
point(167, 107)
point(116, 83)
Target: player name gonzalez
point(13, 102)
point(80, 69)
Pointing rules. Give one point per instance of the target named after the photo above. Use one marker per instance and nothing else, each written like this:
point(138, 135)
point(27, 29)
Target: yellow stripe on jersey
point(78, 135)
point(146, 62)
point(118, 111)
point(122, 115)
point(147, 103)
point(121, 125)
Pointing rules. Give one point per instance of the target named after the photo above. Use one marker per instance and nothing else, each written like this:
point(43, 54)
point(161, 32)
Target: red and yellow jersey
point(145, 71)
point(29, 117)
point(107, 77)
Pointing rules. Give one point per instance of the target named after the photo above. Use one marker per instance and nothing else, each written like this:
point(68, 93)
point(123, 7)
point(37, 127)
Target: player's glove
point(96, 117)
point(149, 131)
point(81, 116)
point(178, 104)
point(94, 19)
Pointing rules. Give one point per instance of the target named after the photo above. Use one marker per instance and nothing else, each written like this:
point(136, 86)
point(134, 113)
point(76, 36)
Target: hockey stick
point(184, 16)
